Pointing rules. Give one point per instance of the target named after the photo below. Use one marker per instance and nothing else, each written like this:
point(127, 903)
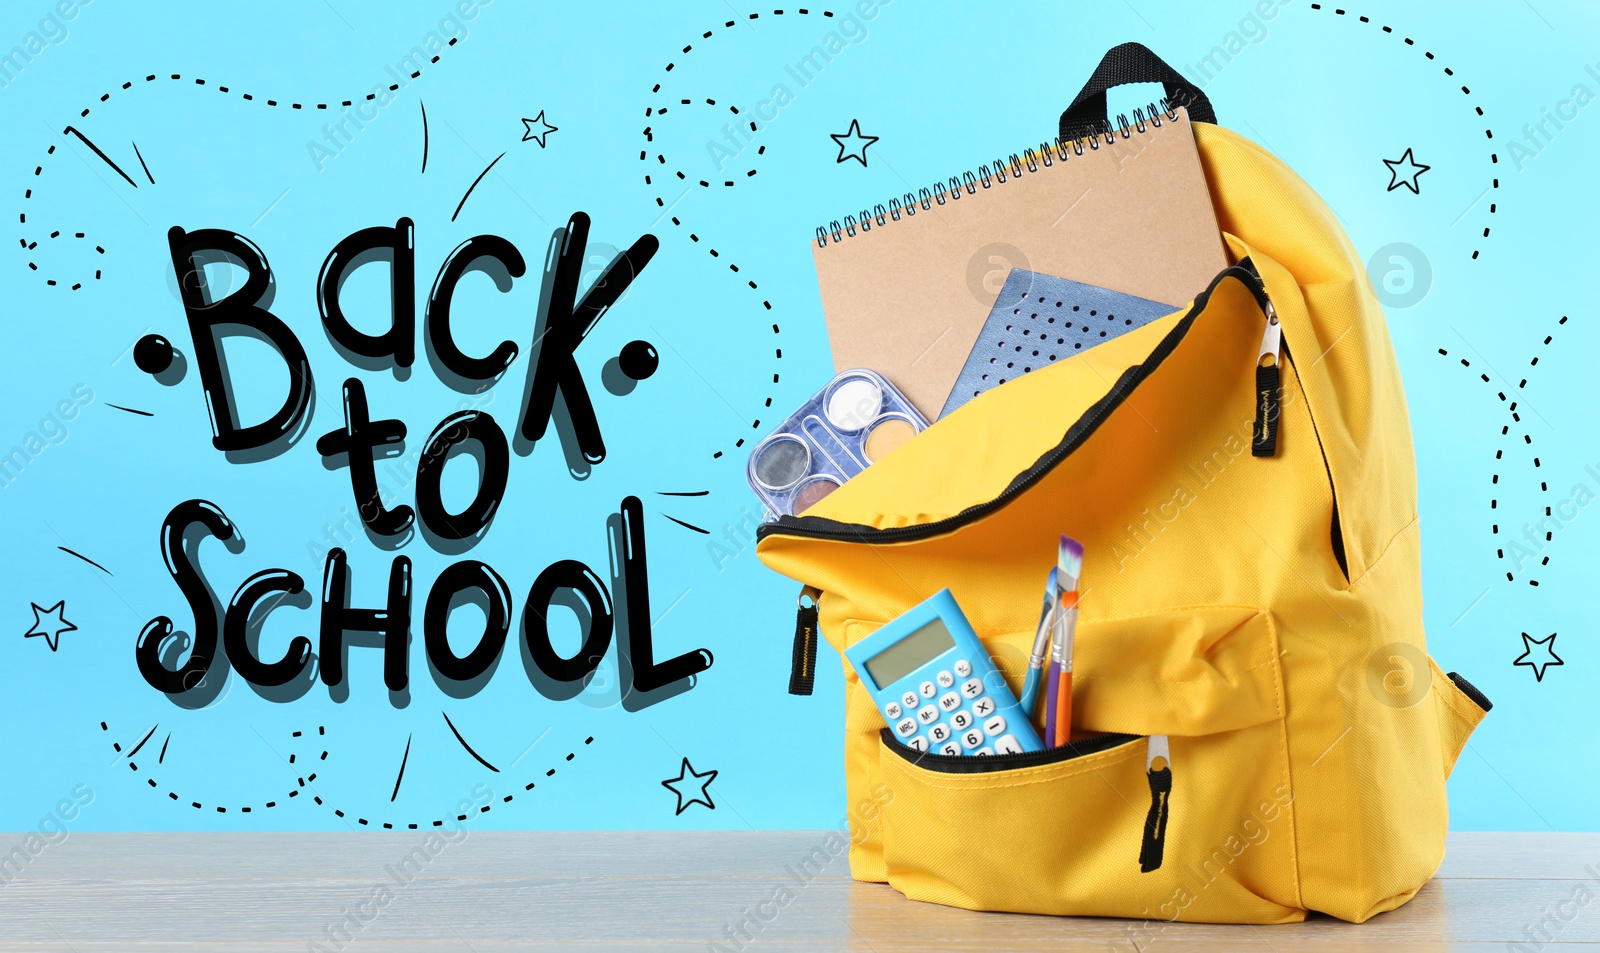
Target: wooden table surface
point(600, 891)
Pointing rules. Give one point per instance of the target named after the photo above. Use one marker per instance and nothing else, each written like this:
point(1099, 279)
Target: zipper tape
point(803, 662)
point(816, 527)
point(1158, 768)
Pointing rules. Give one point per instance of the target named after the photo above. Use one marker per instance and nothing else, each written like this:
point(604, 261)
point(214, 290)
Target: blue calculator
point(933, 680)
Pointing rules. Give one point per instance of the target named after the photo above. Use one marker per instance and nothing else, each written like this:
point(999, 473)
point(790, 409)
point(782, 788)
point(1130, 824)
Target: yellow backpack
point(1262, 613)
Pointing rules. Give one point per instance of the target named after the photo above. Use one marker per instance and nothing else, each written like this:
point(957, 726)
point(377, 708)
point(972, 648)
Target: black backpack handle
point(1129, 63)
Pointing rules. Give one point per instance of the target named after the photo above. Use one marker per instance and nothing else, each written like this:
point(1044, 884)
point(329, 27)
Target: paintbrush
point(1041, 647)
point(1069, 566)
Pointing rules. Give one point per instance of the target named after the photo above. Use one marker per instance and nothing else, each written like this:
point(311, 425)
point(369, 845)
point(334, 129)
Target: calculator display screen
point(910, 653)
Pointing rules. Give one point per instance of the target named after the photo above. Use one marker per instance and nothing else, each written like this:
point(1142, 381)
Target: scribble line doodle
point(1519, 427)
point(439, 822)
point(73, 552)
point(463, 742)
point(474, 185)
point(685, 494)
point(301, 782)
point(194, 82)
point(678, 175)
point(1494, 157)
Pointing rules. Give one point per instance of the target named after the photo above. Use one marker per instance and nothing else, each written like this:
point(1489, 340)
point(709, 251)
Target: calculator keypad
point(953, 714)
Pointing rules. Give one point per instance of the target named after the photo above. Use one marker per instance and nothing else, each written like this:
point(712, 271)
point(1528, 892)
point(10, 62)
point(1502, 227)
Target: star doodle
point(1549, 656)
point(699, 783)
point(52, 632)
point(847, 140)
point(1409, 177)
point(544, 130)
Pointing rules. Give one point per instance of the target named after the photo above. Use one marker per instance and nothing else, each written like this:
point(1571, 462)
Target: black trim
point(988, 764)
point(1471, 691)
point(816, 527)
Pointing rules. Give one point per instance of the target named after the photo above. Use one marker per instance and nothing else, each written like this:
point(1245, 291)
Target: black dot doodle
point(661, 202)
point(38, 170)
point(1506, 431)
point(1494, 158)
point(439, 822)
point(218, 808)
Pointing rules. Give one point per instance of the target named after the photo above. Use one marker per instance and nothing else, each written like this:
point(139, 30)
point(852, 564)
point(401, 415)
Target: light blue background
point(943, 90)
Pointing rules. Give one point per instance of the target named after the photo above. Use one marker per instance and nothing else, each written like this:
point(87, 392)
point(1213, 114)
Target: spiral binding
point(1046, 155)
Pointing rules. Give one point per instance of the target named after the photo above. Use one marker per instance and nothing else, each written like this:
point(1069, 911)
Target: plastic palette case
point(856, 419)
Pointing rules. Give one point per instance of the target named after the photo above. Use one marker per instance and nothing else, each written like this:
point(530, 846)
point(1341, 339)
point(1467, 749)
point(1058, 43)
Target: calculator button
point(892, 710)
point(938, 733)
point(960, 720)
point(985, 750)
point(945, 679)
point(973, 738)
point(950, 748)
point(972, 688)
point(917, 744)
point(963, 668)
point(910, 700)
point(906, 728)
point(1007, 744)
point(995, 725)
point(949, 701)
point(927, 714)
point(927, 689)
point(983, 707)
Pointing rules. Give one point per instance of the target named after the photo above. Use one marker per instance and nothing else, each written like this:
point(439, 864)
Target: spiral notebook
point(1040, 319)
point(907, 284)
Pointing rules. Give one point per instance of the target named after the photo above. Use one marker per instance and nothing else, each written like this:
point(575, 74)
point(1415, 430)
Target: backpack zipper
point(803, 661)
point(816, 527)
point(1158, 768)
point(986, 764)
point(1264, 438)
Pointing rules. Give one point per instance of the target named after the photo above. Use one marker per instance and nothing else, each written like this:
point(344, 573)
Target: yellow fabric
point(1305, 776)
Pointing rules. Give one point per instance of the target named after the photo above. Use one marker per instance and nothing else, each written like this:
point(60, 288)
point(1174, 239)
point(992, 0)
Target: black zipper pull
point(1264, 439)
point(1158, 768)
point(803, 664)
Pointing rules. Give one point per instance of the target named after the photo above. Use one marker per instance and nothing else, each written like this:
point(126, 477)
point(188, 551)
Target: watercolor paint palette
point(855, 420)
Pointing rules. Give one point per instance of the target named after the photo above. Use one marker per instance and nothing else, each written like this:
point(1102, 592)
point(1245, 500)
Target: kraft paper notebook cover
point(1128, 210)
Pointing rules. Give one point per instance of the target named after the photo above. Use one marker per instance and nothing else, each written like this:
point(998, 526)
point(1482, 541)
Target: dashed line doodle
point(193, 82)
point(662, 203)
point(305, 782)
point(440, 822)
point(1518, 427)
point(656, 111)
point(301, 782)
point(1494, 157)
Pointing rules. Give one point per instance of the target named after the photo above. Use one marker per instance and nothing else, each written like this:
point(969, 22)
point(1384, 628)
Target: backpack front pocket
point(1070, 830)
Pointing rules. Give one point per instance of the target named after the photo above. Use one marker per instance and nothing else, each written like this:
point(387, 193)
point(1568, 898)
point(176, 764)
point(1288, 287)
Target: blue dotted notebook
point(1039, 319)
